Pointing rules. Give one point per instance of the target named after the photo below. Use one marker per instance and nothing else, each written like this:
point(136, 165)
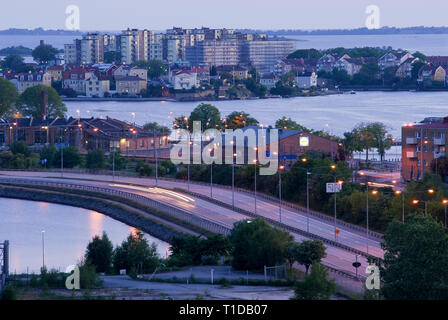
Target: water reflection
point(67, 233)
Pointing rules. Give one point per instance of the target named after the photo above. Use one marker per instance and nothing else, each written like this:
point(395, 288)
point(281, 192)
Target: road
point(336, 257)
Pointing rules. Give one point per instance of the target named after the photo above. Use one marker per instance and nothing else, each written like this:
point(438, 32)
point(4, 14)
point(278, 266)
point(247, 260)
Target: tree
point(207, 114)
point(151, 126)
point(44, 53)
point(99, 253)
point(382, 139)
point(414, 265)
point(71, 157)
point(135, 254)
point(288, 123)
point(309, 252)
point(365, 137)
point(8, 97)
point(415, 68)
point(256, 244)
point(49, 153)
point(156, 68)
point(368, 73)
point(116, 160)
point(31, 102)
point(112, 57)
point(20, 147)
point(238, 120)
point(95, 159)
point(14, 62)
point(305, 54)
point(315, 286)
point(351, 143)
point(421, 57)
point(256, 88)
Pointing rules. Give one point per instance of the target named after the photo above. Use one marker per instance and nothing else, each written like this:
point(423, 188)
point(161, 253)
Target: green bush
point(9, 293)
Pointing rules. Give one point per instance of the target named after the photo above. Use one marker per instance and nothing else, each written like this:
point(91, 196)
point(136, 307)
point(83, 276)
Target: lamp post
point(43, 249)
point(307, 202)
point(255, 184)
point(398, 192)
point(188, 168)
point(280, 169)
point(445, 202)
point(233, 180)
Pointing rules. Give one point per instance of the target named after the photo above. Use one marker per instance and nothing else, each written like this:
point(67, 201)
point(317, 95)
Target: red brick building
point(421, 144)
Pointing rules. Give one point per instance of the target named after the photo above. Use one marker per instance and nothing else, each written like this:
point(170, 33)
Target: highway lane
point(336, 257)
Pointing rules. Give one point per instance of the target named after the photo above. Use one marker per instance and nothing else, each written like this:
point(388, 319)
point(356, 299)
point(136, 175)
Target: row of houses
point(85, 134)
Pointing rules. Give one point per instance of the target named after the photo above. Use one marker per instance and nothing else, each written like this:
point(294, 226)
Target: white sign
point(304, 141)
point(333, 187)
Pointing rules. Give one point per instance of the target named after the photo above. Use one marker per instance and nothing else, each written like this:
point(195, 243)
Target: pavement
point(156, 290)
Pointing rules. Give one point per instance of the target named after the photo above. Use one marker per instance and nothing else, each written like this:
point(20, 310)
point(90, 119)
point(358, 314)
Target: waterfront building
point(96, 85)
point(422, 145)
point(263, 54)
point(306, 80)
point(24, 81)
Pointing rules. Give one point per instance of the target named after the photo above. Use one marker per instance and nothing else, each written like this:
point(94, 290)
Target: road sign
point(356, 264)
point(333, 187)
point(337, 231)
point(288, 157)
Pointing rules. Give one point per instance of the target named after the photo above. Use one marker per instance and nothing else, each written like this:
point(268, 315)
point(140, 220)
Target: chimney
point(43, 103)
point(42, 43)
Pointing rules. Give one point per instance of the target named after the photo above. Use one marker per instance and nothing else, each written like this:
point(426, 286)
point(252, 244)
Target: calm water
point(333, 113)
point(67, 233)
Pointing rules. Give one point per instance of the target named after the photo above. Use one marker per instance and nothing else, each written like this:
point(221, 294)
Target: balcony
point(411, 154)
point(439, 141)
point(411, 140)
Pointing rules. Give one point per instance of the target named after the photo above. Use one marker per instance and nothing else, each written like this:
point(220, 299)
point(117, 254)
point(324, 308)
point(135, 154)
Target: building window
point(142, 143)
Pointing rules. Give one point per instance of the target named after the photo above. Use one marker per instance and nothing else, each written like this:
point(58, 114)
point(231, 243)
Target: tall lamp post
point(233, 180)
point(308, 201)
point(255, 184)
point(398, 192)
point(280, 169)
point(43, 249)
point(445, 203)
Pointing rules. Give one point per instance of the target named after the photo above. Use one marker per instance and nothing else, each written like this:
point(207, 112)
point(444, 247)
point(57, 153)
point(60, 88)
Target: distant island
point(280, 32)
point(39, 32)
point(21, 50)
point(358, 31)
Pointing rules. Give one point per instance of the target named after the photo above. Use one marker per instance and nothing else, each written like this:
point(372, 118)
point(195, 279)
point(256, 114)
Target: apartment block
point(263, 54)
point(422, 144)
point(210, 53)
point(134, 45)
point(92, 48)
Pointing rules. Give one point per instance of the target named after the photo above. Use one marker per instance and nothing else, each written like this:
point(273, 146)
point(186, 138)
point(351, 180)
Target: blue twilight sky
point(261, 14)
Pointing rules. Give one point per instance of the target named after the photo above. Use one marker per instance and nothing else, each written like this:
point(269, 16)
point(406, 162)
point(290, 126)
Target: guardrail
point(284, 226)
point(175, 212)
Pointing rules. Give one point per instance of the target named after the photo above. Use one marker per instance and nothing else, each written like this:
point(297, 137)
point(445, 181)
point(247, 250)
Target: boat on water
point(353, 92)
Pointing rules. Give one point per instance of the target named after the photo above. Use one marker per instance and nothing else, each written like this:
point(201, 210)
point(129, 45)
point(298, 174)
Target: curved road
point(336, 257)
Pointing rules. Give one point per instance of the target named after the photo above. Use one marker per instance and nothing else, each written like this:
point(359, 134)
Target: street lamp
point(188, 167)
point(233, 180)
point(280, 169)
point(255, 184)
point(398, 192)
point(445, 202)
point(211, 177)
point(43, 249)
point(424, 201)
point(307, 202)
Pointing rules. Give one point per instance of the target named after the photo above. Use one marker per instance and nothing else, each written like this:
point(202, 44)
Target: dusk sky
point(261, 14)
